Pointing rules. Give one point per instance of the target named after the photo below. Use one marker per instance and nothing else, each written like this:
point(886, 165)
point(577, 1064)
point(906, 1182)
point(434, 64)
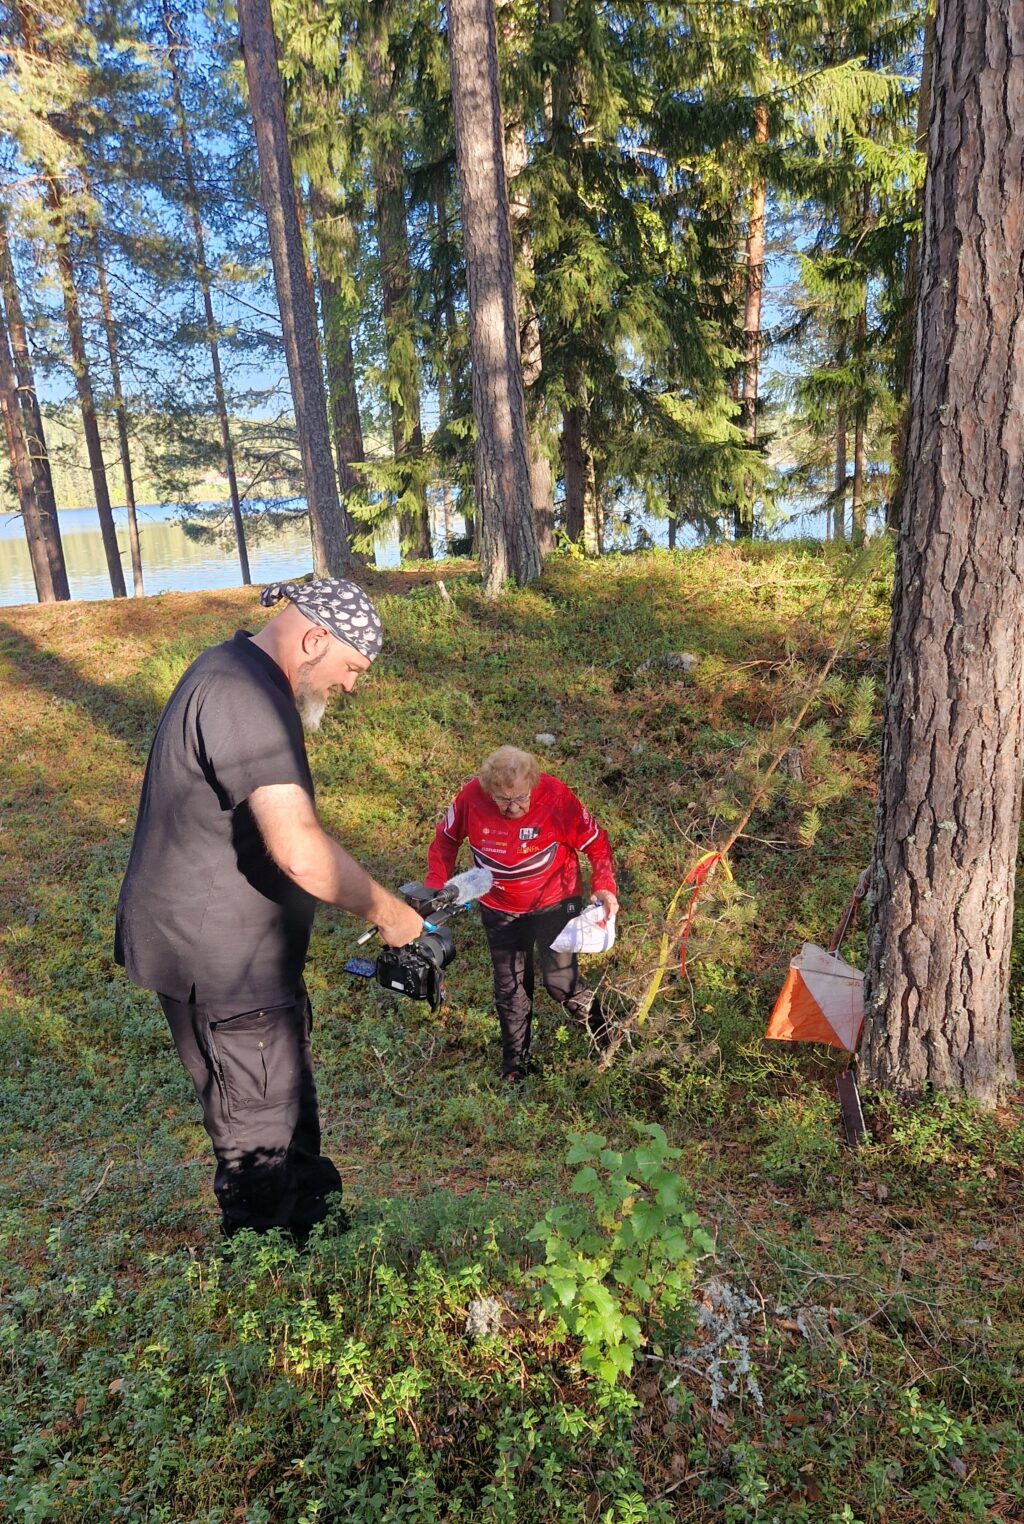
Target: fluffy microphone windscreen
point(471, 884)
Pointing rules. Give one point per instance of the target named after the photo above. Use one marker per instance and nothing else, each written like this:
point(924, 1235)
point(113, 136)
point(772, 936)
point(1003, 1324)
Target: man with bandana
point(227, 865)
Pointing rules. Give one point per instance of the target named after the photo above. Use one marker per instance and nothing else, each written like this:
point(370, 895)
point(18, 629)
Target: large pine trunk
point(203, 276)
point(953, 738)
point(32, 424)
point(331, 554)
point(508, 536)
point(83, 384)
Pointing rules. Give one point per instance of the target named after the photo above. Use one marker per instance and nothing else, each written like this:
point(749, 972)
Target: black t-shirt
point(203, 904)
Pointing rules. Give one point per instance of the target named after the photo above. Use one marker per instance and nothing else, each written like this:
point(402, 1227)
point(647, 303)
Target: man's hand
point(606, 898)
point(400, 925)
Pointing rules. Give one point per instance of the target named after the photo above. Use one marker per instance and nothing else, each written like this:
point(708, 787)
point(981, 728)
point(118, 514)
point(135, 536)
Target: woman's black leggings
point(512, 940)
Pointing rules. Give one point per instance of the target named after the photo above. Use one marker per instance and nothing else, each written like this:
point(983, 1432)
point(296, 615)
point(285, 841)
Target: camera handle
point(423, 900)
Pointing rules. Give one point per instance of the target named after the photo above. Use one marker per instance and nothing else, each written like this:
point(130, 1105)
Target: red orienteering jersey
point(533, 859)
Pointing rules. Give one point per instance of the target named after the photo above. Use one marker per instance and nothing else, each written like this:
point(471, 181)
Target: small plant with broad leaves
point(620, 1261)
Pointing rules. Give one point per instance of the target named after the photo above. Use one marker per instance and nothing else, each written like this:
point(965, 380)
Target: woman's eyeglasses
point(512, 798)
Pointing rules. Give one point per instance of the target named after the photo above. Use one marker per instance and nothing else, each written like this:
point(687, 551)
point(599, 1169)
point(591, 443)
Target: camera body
point(416, 970)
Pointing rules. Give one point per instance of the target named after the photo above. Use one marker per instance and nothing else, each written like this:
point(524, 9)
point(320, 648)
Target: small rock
point(483, 1320)
point(544, 739)
point(680, 661)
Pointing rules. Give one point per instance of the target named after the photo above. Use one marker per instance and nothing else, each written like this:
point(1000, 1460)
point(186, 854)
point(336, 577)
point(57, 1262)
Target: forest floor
point(851, 1349)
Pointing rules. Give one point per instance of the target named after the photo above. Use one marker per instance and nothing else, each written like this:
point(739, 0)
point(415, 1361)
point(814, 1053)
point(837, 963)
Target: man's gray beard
point(309, 701)
point(311, 706)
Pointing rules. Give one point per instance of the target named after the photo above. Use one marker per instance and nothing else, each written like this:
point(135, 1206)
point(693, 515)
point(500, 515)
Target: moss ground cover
point(852, 1348)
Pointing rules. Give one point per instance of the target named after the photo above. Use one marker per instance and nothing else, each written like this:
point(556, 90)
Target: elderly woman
point(527, 827)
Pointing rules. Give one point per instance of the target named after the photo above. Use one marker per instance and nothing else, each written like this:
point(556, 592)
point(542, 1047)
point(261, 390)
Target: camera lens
point(438, 947)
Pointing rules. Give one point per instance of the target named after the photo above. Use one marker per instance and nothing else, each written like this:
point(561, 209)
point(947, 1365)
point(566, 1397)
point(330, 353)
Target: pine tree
point(121, 415)
point(192, 200)
point(953, 737)
point(508, 539)
point(331, 554)
point(388, 174)
point(45, 504)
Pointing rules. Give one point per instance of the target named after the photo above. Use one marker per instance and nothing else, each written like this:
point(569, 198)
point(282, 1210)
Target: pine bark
point(894, 507)
point(508, 535)
point(193, 203)
point(953, 735)
point(331, 553)
point(32, 422)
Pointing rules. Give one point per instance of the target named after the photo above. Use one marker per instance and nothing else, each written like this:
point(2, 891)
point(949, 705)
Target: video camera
point(417, 970)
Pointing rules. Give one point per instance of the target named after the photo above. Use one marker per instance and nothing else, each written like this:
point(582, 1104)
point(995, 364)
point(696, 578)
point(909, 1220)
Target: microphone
point(464, 888)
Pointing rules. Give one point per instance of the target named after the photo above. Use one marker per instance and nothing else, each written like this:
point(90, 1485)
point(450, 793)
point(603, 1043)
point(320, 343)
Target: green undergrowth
point(691, 1300)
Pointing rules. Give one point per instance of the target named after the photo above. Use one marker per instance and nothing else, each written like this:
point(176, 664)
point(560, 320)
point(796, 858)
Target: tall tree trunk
point(542, 490)
point(83, 384)
point(121, 415)
point(193, 203)
point(582, 505)
point(32, 421)
point(508, 534)
point(858, 509)
point(754, 273)
point(577, 464)
point(593, 517)
point(574, 470)
point(330, 250)
point(452, 370)
point(21, 465)
point(839, 488)
point(894, 506)
point(396, 288)
point(953, 735)
point(331, 553)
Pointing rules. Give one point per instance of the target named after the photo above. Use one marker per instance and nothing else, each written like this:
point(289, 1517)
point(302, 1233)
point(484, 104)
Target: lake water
point(171, 562)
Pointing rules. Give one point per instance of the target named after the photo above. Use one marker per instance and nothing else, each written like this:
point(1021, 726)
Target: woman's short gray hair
point(503, 769)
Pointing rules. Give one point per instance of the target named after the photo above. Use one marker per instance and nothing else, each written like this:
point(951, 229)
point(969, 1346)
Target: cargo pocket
point(259, 1055)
